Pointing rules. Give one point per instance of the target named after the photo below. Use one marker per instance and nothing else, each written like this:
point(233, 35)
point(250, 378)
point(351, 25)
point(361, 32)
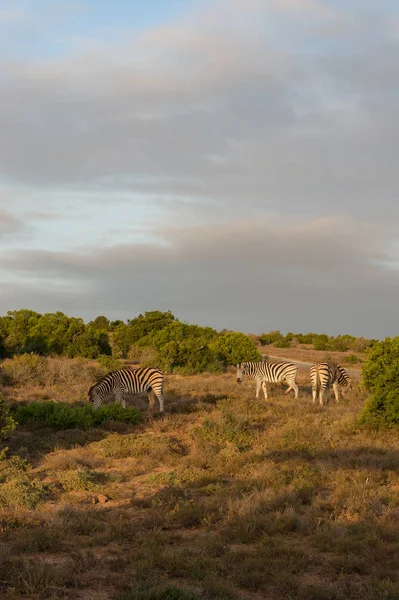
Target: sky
point(234, 161)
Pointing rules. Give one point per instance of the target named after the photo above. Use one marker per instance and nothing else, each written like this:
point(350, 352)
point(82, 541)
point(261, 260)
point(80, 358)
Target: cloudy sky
point(235, 161)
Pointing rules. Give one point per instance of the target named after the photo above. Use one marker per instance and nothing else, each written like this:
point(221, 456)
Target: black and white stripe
point(128, 381)
point(323, 375)
point(265, 372)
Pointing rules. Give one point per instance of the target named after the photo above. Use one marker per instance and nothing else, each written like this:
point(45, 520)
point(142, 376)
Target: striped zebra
point(128, 381)
point(265, 372)
point(323, 375)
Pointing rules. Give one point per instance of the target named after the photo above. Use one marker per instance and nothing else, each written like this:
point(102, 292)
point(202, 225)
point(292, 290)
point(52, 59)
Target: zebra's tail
point(317, 382)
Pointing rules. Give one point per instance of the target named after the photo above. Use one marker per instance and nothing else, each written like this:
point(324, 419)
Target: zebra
point(128, 381)
point(265, 372)
point(325, 374)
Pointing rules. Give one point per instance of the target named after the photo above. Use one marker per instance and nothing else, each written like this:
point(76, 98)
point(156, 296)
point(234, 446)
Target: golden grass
point(222, 497)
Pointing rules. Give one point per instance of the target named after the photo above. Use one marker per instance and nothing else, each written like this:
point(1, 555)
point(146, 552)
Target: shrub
point(353, 359)
point(320, 342)
point(305, 338)
point(7, 423)
point(26, 331)
point(283, 343)
point(38, 370)
point(61, 415)
point(233, 348)
point(83, 478)
point(270, 338)
point(381, 378)
point(22, 492)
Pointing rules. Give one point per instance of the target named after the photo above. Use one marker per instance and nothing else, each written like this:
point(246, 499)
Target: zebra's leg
point(120, 398)
point(258, 384)
point(314, 394)
point(161, 401)
point(292, 386)
point(264, 388)
point(336, 391)
point(322, 394)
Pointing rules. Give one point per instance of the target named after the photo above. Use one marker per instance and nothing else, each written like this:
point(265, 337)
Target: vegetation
point(61, 415)
point(223, 497)
point(340, 343)
point(381, 378)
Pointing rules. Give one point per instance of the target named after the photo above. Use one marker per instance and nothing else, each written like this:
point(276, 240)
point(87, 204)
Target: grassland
point(222, 497)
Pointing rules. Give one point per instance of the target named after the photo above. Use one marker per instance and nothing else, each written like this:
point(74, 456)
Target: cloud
point(8, 16)
point(188, 110)
point(9, 224)
point(246, 155)
point(252, 275)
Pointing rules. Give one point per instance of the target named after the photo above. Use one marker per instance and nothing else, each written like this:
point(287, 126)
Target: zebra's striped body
point(324, 375)
point(265, 372)
point(128, 381)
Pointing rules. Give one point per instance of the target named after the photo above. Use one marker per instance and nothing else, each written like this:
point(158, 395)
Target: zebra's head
point(240, 372)
point(94, 397)
point(347, 385)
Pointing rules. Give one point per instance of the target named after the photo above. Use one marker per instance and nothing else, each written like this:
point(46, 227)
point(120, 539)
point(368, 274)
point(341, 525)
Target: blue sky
point(233, 160)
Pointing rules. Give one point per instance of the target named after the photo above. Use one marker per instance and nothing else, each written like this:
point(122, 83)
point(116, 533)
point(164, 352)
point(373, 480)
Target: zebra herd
point(323, 375)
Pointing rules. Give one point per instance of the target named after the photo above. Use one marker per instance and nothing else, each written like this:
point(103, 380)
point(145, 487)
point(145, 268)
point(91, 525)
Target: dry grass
point(222, 497)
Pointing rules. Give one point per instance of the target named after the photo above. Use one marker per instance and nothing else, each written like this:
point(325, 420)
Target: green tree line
point(318, 341)
point(155, 338)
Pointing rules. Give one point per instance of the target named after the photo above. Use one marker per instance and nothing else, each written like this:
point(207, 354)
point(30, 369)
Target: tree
point(320, 342)
point(100, 324)
point(125, 336)
point(381, 378)
point(234, 348)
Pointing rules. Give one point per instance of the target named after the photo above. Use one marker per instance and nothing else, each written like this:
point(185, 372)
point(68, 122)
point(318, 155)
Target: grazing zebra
point(326, 374)
point(128, 381)
point(265, 372)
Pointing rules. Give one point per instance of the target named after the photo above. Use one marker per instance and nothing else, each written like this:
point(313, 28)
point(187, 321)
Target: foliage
point(25, 331)
point(381, 378)
point(7, 422)
point(234, 348)
point(61, 415)
point(320, 342)
point(353, 359)
point(22, 492)
point(270, 338)
point(100, 324)
point(140, 327)
point(305, 338)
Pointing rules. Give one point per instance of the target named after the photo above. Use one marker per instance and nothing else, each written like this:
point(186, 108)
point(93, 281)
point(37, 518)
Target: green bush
point(381, 378)
point(25, 331)
point(305, 338)
point(320, 342)
point(61, 415)
point(270, 338)
point(22, 492)
point(83, 478)
point(283, 343)
point(7, 423)
point(353, 359)
point(233, 348)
